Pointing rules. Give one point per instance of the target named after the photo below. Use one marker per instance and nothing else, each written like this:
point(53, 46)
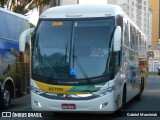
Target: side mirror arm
point(117, 39)
point(23, 40)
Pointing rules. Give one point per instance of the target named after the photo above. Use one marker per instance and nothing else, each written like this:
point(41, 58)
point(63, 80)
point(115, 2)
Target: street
point(149, 102)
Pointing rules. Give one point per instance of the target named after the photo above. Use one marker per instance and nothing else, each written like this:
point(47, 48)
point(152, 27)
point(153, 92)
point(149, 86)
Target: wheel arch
point(9, 81)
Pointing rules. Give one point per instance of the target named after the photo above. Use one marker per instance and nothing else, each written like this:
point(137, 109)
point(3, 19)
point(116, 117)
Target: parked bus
point(143, 59)
point(143, 66)
point(14, 65)
point(85, 59)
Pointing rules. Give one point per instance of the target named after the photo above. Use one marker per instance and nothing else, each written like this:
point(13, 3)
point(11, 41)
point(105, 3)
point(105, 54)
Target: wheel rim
point(6, 97)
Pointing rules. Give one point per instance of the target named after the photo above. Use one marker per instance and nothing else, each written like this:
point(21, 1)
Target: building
point(54, 3)
point(69, 2)
point(150, 27)
point(139, 11)
point(92, 1)
point(155, 62)
point(155, 7)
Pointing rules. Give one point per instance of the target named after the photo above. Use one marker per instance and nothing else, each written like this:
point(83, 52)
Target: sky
point(34, 15)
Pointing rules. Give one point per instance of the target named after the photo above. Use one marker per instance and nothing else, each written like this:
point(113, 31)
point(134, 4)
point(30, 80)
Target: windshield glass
point(72, 49)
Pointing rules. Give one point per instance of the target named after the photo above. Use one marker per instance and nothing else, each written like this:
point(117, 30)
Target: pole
point(2, 3)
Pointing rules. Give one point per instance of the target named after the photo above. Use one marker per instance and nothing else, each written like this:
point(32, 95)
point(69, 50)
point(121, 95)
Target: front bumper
point(104, 103)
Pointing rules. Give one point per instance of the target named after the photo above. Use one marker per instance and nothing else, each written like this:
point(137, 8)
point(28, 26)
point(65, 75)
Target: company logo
point(6, 114)
point(68, 97)
point(21, 114)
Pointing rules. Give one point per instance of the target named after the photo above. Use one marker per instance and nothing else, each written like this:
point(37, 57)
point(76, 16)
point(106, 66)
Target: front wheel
point(5, 98)
point(123, 107)
point(138, 97)
point(124, 100)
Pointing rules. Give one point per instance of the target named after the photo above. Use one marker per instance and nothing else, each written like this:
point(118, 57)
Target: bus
point(143, 66)
point(84, 59)
point(14, 65)
point(143, 60)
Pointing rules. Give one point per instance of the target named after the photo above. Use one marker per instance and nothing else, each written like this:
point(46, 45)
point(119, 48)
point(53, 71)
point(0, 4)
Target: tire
point(120, 111)
point(1, 99)
point(142, 85)
point(123, 108)
point(138, 97)
point(5, 98)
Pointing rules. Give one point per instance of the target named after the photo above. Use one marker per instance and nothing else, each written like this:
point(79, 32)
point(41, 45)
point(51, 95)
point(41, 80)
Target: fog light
point(103, 105)
point(37, 103)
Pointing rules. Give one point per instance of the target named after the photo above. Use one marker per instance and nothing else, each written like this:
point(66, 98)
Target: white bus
point(85, 59)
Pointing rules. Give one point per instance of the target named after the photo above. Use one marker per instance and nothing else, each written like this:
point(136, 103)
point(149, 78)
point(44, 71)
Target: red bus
point(143, 66)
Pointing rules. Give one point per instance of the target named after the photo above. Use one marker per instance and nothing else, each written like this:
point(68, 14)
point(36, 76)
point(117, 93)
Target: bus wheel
point(1, 99)
point(6, 96)
point(123, 107)
point(142, 85)
point(138, 97)
point(124, 100)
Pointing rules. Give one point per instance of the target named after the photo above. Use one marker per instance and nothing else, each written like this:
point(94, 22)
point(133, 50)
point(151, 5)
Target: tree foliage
point(23, 6)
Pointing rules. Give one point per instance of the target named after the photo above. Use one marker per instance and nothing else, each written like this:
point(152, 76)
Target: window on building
point(132, 9)
point(132, 15)
point(139, 6)
point(139, 1)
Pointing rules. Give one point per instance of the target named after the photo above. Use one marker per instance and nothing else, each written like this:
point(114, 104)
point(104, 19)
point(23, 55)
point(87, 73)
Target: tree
point(23, 6)
point(2, 2)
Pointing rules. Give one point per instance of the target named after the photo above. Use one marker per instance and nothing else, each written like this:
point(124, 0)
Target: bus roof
point(86, 11)
point(82, 11)
point(13, 13)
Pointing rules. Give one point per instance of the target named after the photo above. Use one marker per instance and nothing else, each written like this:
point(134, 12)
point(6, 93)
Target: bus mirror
point(23, 39)
point(117, 39)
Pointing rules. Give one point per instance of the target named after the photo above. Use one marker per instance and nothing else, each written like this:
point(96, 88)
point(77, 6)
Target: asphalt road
point(150, 102)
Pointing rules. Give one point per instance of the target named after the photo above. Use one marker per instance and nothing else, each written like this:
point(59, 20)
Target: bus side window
point(126, 36)
point(133, 38)
point(116, 61)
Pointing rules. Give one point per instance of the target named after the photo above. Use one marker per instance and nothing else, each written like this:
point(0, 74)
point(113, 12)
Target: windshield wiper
point(63, 58)
point(53, 73)
point(79, 65)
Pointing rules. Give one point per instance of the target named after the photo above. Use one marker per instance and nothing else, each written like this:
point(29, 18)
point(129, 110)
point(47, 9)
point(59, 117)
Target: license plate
point(68, 106)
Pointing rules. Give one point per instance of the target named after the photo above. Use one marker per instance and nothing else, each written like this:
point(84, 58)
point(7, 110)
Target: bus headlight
point(104, 91)
point(36, 90)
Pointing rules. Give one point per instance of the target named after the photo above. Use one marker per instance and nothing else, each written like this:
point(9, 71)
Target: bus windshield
point(73, 49)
